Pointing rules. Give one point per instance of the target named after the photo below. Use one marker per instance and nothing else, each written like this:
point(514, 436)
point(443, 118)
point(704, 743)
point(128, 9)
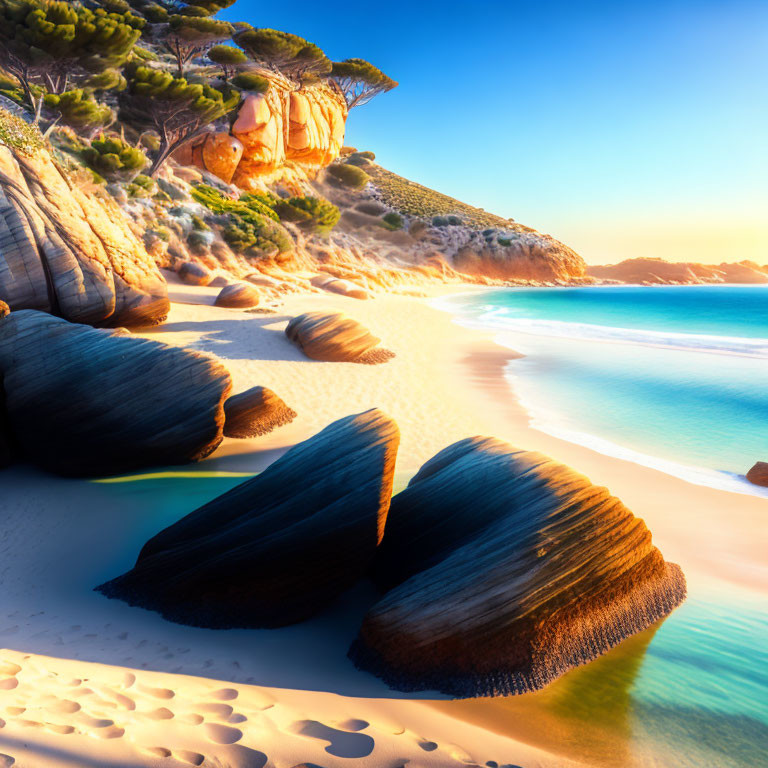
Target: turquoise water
point(673, 376)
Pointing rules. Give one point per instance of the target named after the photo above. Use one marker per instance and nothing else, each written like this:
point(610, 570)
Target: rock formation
point(342, 287)
point(758, 475)
point(279, 547)
point(255, 412)
point(4, 309)
point(506, 569)
point(282, 128)
point(649, 271)
point(82, 401)
point(334, 337)
point(237, 296)
point(192, 273)
point(69, 253)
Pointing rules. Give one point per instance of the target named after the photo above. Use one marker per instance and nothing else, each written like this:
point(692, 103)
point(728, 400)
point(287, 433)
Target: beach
point(149, 692)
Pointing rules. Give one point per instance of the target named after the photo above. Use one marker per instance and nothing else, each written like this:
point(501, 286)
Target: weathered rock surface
point(69, 253)
point(237, 296)
point(192, 273)
point(82, 401)
point(758, 475)
point(284, 127)
point(529, 256)
point(506, 570)
point(334, 337)
point(342, 287)
point(255, 412)
point(4, 309)
point(279, 547)
point(649, 271)
point(217, 153)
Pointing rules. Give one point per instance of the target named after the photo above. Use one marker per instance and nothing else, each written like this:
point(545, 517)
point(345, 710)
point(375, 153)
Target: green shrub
point(199, 224)
point(504, 241)
point(359, 159)
point(79, 110)
point(16, 133)
point(349, 175)
point(312, 212)
point(393, 220)
point(439, 221)
point(250, 81)
point(141, 186)
point(114, 158)
point(252, 226)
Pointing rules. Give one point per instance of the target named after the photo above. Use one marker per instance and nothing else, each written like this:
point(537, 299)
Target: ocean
point(672, 377)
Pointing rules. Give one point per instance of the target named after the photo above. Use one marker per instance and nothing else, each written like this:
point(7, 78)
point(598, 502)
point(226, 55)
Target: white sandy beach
point(91, 682)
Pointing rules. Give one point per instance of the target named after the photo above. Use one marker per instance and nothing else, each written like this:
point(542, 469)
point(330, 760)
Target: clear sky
point(624, 129)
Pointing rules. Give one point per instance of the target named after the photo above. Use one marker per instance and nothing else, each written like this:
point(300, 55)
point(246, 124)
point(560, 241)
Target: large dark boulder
point(506, 569)
point(83, 401)
point(279, 547)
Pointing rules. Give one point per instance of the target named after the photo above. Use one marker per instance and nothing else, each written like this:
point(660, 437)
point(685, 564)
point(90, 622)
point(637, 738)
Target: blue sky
point(624, 129)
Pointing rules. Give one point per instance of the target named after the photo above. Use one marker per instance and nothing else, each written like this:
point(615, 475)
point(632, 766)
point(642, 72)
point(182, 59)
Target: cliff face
point(69, 253)
point(657, 271)
point(281, 129)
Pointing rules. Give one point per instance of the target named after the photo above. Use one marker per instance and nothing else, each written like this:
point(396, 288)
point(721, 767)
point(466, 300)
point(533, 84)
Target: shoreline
point(446, 383)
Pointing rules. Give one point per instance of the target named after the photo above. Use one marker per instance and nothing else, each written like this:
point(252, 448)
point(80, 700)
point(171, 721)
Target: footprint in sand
point(161, 713)
point(191, 718)
point(222, 734)
point(354, 724)
point(220, 711)
point(8, 684)
point(225, 694)
point(428, 746)
point(237, 718)
point(6, 761)
point(63, 707)
point(340, 743)
point(191, 758)
point(157, 751)
point(9, 669)
point(157, 693)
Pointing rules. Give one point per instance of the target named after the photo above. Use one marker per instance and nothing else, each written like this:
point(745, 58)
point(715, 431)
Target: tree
point(229, 58)
point(360, 81)
point(188, 36)
point(290, 54)
point(250, 81)
point(175, 109)
point(53, 45)
point(79, 110)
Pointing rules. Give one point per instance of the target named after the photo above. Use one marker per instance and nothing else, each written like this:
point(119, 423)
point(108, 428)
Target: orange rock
point(221, 155)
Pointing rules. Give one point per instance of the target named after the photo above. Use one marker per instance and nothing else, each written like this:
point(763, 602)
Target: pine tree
point(172, 107)
point(360, 81)
point(290, 54)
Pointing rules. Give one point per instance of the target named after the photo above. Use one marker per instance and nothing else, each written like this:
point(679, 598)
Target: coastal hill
point(649, 271)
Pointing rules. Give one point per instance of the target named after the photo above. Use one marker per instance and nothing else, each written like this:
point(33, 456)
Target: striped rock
point(255, 412)
point(281, 546)
point(70, 253)
point(334, 337)
point(237, 296)
point(82, 401)
point(505, 570)
point(192, 273)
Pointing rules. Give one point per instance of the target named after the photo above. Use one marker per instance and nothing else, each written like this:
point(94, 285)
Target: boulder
point(71, 253)
point(218, 153)
point(334, 337)
point(281, 546)
point(237, 296)
point(505, 570)
point(758, 475)
point(255, 412)
point(192, 273)
point(82, 401)
point(259, 278)
point(342, 287)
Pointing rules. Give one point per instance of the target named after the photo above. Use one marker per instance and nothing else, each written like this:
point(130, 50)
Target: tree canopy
point(283, 51)
point(360, 81)
point(52, 44)
point(172, 107)
point(229, 58)
point(189, 36)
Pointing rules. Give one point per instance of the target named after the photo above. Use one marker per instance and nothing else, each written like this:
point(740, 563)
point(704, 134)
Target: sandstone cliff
point(648, 271)
point(68, 252)
point(280, 135)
